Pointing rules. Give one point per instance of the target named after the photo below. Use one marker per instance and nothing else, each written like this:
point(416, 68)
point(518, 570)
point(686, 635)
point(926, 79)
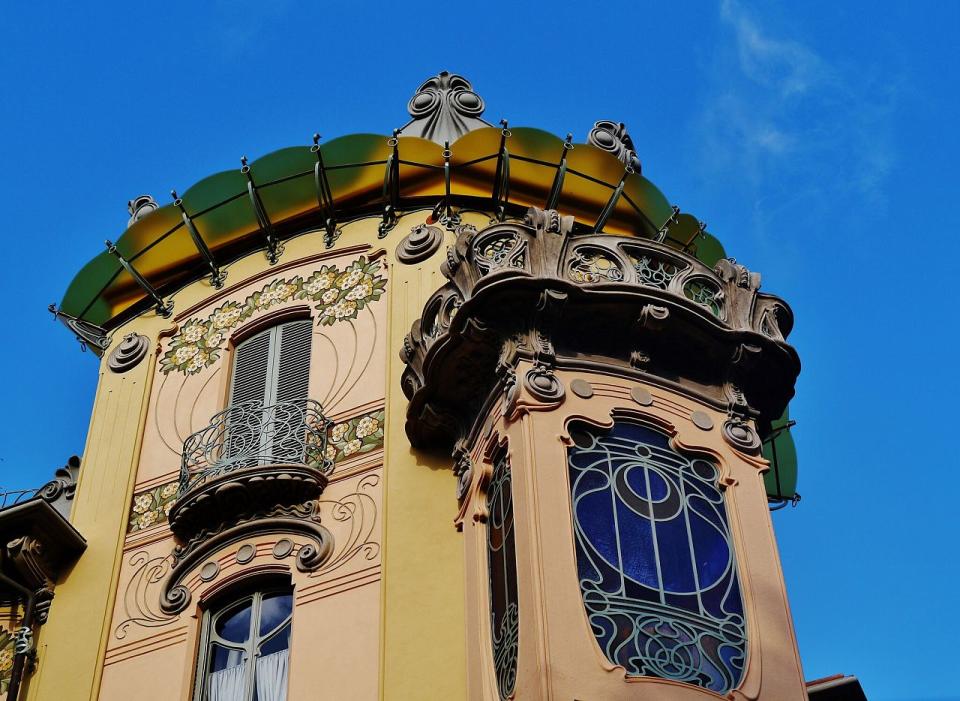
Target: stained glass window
point(655, 558)
point(502, 558)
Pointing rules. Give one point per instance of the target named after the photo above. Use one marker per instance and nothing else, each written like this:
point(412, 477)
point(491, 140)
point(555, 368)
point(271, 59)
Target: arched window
point(268, 393)
point(246, 648)
point(502, 562)
point(655, 558)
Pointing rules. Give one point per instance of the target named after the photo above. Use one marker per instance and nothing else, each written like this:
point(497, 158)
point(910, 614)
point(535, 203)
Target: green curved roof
point(355, 167)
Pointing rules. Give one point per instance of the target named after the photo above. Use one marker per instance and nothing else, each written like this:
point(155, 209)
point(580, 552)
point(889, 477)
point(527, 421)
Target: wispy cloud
point(780, 116)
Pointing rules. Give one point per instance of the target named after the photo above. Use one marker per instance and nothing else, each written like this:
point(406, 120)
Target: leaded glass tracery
point(654, 272)
point(502, 559)
point(594, 265)
point(655, 558)
point(500, 251)
point(704, 293)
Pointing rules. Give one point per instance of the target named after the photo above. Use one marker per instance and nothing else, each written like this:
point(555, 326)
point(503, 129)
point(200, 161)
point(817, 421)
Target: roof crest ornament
point(612, 137)
point(444, 108)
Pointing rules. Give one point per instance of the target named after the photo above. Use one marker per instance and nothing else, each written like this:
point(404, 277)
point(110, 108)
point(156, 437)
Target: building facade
point(466, 412)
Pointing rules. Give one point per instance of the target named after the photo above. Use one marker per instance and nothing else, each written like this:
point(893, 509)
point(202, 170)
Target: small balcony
point(252, 461)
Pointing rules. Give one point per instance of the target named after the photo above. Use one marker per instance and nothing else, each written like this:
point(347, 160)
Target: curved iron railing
point(251, 434)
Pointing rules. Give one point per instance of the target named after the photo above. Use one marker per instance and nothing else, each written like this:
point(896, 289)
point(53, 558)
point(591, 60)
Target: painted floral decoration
point(6, 659)
point(340, 295)
point(358, 435)
point(152, 507)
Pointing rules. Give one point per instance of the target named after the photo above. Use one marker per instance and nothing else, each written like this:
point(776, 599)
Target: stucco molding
point(530, 289)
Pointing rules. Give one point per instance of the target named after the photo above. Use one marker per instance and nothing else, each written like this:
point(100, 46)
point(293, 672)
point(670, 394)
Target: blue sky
point(818, 140)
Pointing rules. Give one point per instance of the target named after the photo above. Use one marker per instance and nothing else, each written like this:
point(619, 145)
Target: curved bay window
point(655, 557)
point(502, 560)
point(246, 647)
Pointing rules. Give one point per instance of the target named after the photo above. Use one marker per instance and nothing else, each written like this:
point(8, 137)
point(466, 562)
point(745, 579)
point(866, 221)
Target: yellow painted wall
point(422, 612)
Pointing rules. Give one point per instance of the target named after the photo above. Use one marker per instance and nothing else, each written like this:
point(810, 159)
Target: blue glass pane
point(234, 624)
point(274, 610)
point(277, 642)
point(655, 559)
point(222, 658)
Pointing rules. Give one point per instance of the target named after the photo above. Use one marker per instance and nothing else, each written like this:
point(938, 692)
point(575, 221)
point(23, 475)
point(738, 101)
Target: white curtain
point(272, 676)
point(227, 684)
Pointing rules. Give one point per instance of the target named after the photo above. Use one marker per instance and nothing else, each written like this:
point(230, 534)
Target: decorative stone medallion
point(581, 388)
point(421, 243)
point(702, 420)
point(132, 349)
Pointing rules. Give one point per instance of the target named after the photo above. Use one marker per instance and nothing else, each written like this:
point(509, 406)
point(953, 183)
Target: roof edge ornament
point(96, 337)
point(612, 137)
point(139, 207)
point(444, 108)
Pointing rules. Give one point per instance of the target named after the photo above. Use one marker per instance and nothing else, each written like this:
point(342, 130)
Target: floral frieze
point(6, 659)
point(340, 295)
point(152, 506)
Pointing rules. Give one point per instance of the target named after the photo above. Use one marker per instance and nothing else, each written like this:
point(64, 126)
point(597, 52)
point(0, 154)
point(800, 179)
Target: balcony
point(251, 462)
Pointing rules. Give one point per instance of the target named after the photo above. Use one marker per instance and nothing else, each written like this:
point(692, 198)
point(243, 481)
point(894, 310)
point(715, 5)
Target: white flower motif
point(367, 426)
point(350, 280)
point(168, 490)
point(184, 353)
point(330, 296)
point(215, 339)
point(344, 309)
point(338, 432)
point(142, 503)
point(146, 520)
point(351, 447)
point(194, 332)
point(361, 291)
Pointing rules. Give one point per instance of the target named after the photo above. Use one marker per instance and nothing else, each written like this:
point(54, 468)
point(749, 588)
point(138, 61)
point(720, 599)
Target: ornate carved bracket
point(534, 290)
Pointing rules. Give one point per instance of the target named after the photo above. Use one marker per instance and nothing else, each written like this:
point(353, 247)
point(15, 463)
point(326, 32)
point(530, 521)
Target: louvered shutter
point(271, 372)
point(293, 361)
point(251, 370)
point(290, 387)
point(251, 363)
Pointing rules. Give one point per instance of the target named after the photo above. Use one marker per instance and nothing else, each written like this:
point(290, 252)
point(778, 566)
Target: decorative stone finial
point(613, 138)
point(444, 108)
point(139, 207)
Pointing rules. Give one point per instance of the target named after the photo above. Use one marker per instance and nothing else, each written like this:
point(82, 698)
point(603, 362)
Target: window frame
point(220, 605)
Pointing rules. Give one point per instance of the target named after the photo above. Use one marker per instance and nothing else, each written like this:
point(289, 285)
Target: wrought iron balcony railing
point(250, 434)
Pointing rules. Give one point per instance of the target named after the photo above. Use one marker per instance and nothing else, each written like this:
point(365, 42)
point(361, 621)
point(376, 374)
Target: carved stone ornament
point(738, 433)
point(543, 384)
point(421, 243)
point(612, 137)
point(132, 349)
point(444, 108)
point(462, 469)
point(600, 303)
point(238, 504)
point(302, 519)
point(139, 207)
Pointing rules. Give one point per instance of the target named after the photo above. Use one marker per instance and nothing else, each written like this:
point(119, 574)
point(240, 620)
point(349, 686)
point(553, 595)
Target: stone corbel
point(740, 290)
point(28, 557)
